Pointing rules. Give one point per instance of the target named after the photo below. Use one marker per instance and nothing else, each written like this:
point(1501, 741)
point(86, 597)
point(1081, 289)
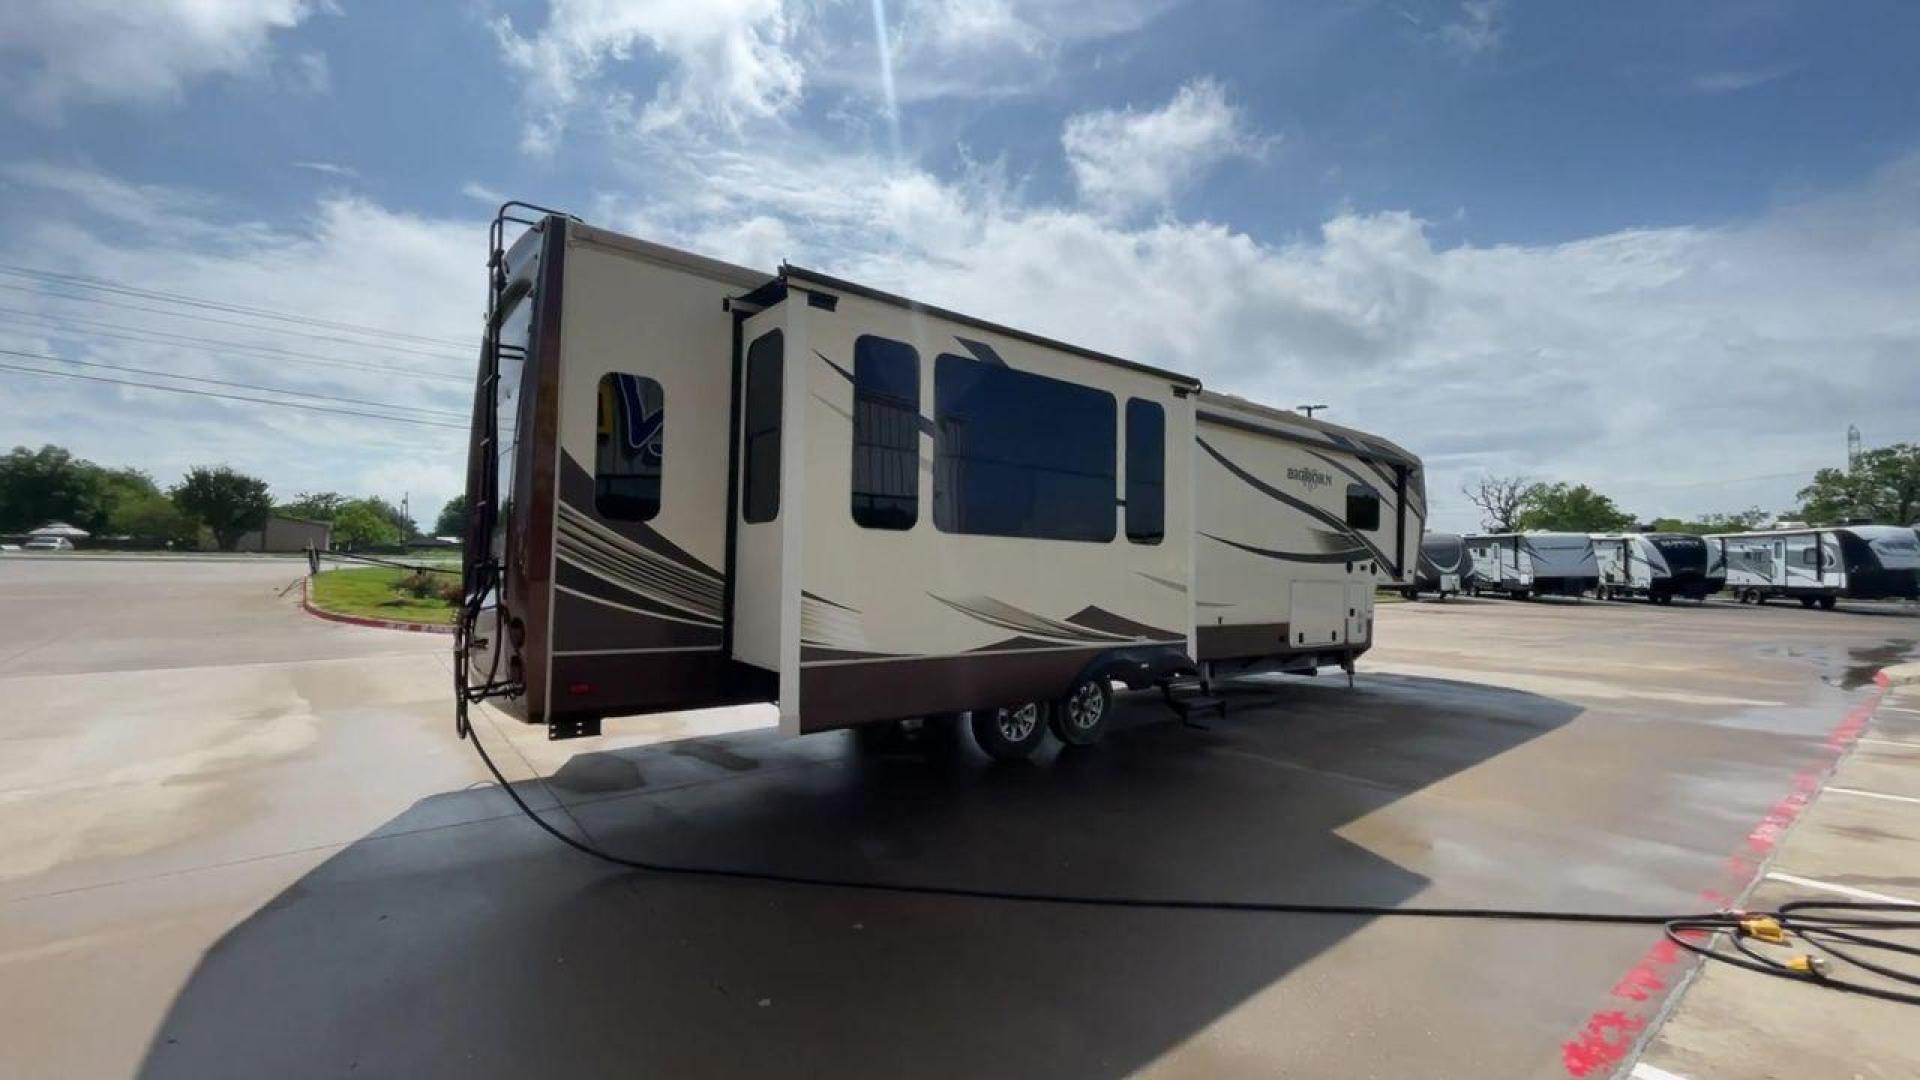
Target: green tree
point(1882, 486)
point(229, 503)
point(313, 506)
point(453, 518)
point(400, 521)
point(48, 484)
point(153, 519)
point(361, 522)
point(113, 489)
point(1570, 508)
point(1740, 521)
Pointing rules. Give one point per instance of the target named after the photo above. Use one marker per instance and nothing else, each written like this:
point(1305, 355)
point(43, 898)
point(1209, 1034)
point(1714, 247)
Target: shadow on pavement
point(486, 948)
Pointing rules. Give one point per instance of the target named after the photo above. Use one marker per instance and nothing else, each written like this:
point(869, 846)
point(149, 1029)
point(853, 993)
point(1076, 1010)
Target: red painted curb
point(306, 602)
point(1610, 1034)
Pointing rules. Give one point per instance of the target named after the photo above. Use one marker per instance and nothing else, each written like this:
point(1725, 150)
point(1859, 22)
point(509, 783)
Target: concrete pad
point(257, 849)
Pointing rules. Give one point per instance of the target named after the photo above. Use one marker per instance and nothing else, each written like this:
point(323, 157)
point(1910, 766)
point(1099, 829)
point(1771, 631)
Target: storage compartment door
point(1359, 613)
point(1318, 614)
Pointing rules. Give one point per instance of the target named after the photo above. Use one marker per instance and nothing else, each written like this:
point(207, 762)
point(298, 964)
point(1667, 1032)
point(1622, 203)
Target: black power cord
point(1776, 928)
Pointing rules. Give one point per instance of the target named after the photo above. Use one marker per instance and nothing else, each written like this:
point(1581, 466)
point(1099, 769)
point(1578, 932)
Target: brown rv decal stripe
point(1309, 509)
point(1348, 555)
point(1001, 614)
point(617, 569)
point(584, 622)
point(576, 487)
point(599, 588)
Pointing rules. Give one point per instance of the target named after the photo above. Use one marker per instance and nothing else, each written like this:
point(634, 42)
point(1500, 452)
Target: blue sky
point(1666, 249)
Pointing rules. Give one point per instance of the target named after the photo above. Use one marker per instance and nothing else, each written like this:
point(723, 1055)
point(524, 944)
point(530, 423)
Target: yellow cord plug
point(1765, 927)
point(1811, 966)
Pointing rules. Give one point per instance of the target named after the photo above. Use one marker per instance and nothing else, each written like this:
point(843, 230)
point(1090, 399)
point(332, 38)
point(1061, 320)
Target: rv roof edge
point(742, 276)
point(828, 281)
point(1281, 423)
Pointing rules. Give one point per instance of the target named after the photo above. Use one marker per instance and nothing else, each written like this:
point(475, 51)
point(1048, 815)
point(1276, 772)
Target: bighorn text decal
point(1311, 477)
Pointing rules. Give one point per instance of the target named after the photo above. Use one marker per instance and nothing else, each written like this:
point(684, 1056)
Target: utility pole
point(1853, 447)
point(1309, 409)
point(406, 508)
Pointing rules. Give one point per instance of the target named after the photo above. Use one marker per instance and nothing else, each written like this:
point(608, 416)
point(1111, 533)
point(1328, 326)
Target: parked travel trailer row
point(1821, 566)
point(1816, 566)
point(1522, 565)
point(695, 484)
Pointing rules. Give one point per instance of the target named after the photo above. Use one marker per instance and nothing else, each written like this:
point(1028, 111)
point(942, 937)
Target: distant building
point(287, 534)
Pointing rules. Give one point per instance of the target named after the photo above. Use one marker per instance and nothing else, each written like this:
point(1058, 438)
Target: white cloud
point(1734, 80)
point(328, 168)
point(62, 52)
point(998, 48)
point(1666, 366)
point(1478, 30)
point(346, 259)
point(1125, 160)
point(727, 62)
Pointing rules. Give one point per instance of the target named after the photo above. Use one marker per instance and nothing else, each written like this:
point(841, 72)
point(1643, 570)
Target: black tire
point(1081, 718)
point(1808, 602)
point(1010, 732)
point(1827, 602)
point(1409, 594)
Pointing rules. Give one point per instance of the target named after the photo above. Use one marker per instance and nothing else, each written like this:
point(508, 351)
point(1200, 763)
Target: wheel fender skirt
point(1139, 666)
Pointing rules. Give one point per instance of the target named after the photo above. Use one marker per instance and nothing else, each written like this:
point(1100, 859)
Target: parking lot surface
point(244, 842)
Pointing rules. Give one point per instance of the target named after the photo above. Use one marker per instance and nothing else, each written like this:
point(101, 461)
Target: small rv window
point(1146, 471)
point(760, 499)
point(1810, 556)
point(629, 437)
point(1363, 507)
point(886, 433)
point(1019, 454)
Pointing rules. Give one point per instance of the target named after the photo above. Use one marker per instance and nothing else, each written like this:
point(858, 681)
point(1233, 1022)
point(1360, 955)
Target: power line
point(235, 385)
point(357, 342)
point(106, 285)
point(60, 324)
point(230, 397)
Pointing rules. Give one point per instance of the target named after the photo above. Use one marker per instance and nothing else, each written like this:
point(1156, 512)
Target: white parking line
point(1874, 794)
point(1888, 742)
point(1644, 1071)
point(1899, 708)
point(1841, 890)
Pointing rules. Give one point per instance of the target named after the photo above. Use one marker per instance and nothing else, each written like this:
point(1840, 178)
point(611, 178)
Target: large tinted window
point(1363, 507)
point(760, 497)
point(1017, 454)
point(1146, 471)
point(627, 448)
point(886, 433)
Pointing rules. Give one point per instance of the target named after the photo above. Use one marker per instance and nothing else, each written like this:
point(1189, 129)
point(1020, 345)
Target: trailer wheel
point(1080, 718)
point(1010, 732)
point(1807, 602)
point(1827, 603)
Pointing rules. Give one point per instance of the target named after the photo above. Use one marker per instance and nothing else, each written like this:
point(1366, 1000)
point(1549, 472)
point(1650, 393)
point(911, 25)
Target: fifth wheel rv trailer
point(1821, 566)
point(1444, 567)
point(696, 484)
point(1655, 566)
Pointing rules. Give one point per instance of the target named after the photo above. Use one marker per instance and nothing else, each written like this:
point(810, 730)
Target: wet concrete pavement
point(255, 848)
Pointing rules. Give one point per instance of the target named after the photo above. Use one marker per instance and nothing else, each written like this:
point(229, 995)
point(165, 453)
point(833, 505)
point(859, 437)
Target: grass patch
point(1382, 596)
point(375, 592)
